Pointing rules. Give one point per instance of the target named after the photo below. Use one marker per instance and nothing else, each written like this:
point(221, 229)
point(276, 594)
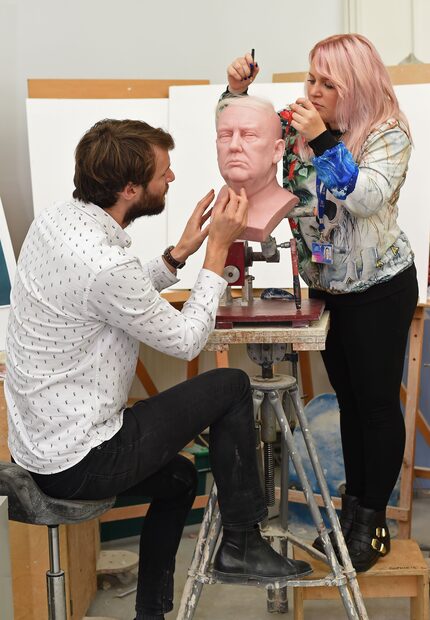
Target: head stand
point(239, 260)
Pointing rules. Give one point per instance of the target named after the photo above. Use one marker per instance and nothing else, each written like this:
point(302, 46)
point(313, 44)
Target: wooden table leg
point(145, 379)
point(416, 333)
point(420, 603)
point(306, 376)
point(221, 359)
point(298, 604)
point(193, 368)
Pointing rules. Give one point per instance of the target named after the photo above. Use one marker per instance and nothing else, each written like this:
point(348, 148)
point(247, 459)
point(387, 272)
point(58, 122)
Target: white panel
point(55, 127)
point(7, 244)
point(10, 265)
point(414, 208)
point(194, 161)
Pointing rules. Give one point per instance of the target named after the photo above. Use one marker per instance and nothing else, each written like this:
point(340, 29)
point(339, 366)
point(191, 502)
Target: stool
point(28, 504)
point(403, 573)
point(268, 398)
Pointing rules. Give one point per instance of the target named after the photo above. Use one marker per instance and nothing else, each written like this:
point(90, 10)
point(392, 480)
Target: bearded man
point(80, 305)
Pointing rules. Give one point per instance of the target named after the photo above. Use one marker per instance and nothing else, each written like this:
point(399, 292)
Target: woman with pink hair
point(347, 152)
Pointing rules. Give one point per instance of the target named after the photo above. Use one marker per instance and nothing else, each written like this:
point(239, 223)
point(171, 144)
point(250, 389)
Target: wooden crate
point(403, 573)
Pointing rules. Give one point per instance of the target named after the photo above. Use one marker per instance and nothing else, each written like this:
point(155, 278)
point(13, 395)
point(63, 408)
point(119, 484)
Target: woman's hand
point(306, 119)
point(194, 234)
point(241, 73)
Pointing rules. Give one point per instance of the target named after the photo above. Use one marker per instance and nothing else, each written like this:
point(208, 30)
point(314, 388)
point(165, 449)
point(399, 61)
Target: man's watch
point(172, 261)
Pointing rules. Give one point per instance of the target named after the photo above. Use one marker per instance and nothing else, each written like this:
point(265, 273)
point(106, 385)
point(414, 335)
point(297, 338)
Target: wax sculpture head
point(249, 143)
point(249, 146)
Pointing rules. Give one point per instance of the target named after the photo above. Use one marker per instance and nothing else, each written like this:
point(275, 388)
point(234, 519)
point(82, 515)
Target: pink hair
point(366, 96)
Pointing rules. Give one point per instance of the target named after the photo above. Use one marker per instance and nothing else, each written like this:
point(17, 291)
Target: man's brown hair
point(114, 153)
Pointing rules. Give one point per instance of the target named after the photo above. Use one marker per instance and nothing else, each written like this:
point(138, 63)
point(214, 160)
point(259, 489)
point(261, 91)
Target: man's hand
point(229, 218)
point(228, 221)
point(194, 234)
point(241, 73)
point(306, 119)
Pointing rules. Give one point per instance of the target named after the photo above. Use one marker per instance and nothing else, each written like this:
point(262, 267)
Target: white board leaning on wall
point(7, 275)
point(55, 127)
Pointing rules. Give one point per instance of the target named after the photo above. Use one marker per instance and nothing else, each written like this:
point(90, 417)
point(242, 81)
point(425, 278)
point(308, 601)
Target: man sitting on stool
point(80, 306)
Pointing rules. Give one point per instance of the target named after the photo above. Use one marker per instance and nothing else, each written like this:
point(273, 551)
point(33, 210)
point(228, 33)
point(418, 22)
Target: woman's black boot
point(369, 538)
point(246, 556)
point(346, 518)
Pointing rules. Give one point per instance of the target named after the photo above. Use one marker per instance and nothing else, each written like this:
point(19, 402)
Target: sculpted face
point(249, 146)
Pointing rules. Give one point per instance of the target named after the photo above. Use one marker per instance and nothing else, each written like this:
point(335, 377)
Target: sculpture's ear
point(279, 150)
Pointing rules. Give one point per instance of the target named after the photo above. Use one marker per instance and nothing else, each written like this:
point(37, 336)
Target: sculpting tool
point(296, 282)
point(253, 58)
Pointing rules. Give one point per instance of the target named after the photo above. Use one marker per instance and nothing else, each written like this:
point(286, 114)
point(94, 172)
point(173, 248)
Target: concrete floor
point(226, 602)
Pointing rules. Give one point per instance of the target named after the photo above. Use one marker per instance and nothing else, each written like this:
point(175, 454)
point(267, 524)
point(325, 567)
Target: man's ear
point(130, 191)
point(279, 150)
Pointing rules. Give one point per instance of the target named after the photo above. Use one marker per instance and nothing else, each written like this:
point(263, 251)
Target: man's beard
point(149, 204)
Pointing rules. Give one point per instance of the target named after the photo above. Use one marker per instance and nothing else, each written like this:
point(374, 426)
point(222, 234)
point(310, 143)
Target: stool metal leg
point(277, 598)
point(334, 521)
point(354, 607)
point(55, 579)
point(285, 477)
point(203, 551)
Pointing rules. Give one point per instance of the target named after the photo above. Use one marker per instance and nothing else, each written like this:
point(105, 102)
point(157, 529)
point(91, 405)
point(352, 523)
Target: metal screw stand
point(55, 579)
point(270, 397)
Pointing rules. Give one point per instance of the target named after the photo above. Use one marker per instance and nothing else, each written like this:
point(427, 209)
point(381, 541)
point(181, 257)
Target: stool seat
point(28, 504)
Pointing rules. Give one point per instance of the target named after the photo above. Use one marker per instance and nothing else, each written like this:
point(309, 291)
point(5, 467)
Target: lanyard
point(321, 195)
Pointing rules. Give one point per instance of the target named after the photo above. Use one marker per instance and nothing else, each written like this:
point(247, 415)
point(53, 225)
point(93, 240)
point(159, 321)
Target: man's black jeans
point(142, 460)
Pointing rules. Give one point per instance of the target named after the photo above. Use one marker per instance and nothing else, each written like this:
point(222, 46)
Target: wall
point(396, 28)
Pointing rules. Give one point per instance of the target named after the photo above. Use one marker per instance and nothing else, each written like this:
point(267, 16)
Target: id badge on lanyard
point(322, 252)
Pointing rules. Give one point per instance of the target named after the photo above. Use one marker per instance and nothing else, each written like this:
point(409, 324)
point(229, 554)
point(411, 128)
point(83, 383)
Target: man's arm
point(125, 298)
point(228, 221)
point(229, 218)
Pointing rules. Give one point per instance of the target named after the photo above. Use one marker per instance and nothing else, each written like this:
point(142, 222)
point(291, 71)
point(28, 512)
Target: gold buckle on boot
point(378, 546)
point(381, 532)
